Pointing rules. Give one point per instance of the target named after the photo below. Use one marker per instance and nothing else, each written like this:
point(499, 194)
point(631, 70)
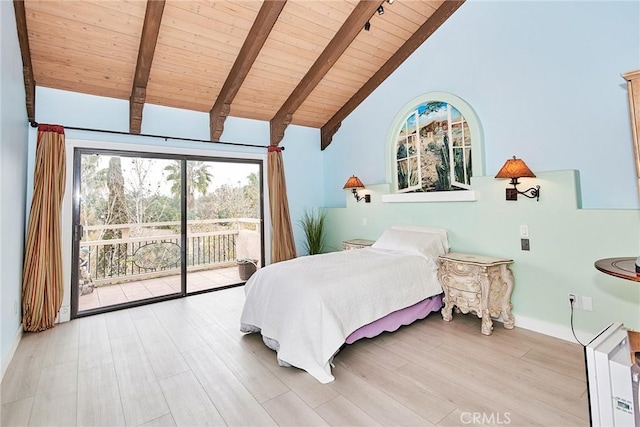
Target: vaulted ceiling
point(304, 62)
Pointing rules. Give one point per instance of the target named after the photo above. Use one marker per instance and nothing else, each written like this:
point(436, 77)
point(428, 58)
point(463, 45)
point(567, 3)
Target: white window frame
point(463, 147)
point(406, 137)
point(477, 150)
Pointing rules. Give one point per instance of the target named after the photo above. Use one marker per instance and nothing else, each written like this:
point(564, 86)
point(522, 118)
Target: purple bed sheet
point(393, 321)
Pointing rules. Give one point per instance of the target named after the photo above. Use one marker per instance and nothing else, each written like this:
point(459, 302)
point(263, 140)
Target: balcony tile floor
point(104, 296)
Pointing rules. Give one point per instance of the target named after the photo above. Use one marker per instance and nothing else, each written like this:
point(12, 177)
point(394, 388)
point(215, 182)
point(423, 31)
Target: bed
point(307, 308)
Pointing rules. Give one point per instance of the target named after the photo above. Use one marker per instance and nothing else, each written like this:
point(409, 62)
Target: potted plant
point(246, 267)
point(313, 225)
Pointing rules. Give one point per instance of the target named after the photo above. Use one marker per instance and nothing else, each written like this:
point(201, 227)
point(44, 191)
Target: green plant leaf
point(313, 225)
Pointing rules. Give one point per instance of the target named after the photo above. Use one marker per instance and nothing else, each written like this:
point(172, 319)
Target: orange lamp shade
point(353, 182)
point(515, 168)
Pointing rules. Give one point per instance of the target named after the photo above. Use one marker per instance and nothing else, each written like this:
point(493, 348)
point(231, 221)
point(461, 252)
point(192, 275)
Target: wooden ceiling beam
point(148, 41)
point(329, 56)
point(27, 68)
point(414, 42)
point(257, 36)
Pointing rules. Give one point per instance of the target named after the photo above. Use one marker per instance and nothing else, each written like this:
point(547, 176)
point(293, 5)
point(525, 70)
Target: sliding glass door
point(224, 222)
point(149, 228)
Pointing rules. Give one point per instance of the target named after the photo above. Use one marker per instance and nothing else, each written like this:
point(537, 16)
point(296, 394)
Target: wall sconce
point(354, 184)
point(514, 169)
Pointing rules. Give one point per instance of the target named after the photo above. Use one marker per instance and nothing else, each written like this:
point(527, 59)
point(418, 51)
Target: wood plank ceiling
point(305, 62)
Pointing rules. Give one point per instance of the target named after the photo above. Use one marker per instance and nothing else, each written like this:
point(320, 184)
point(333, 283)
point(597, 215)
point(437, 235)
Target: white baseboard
point(551, 329)
point(6, 358)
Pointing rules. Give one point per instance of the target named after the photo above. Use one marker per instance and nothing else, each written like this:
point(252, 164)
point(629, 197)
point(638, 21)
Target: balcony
point(143, 261)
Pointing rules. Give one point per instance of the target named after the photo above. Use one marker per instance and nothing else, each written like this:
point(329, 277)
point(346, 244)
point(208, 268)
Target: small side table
point(476, 283)
point(624, 268)
point(348, 245)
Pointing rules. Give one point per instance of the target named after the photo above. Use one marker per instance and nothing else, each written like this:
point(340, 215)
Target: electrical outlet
point(574, 301)
point(524, 244)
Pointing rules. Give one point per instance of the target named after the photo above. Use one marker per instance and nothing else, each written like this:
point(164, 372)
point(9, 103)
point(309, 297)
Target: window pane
point(403, 172)
point(456, 134)
point(414, 171)
point(402, 149)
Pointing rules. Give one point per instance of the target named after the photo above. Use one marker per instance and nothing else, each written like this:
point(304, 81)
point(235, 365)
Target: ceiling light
point(367, 26)
point(390, 1)
point(380, 10)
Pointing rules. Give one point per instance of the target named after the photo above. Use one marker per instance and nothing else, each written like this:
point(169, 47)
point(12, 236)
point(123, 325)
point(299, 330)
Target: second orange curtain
point(283, 246)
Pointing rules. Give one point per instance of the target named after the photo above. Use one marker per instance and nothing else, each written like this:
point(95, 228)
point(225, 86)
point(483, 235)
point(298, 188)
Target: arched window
point(435, 145)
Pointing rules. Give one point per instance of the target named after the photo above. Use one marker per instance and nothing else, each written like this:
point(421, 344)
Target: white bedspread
point(309, 305)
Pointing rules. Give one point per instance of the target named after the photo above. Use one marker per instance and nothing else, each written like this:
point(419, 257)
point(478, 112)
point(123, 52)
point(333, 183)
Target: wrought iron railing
point(154, 249)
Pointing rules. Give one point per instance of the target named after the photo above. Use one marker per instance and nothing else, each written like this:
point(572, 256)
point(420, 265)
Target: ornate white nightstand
point(476, 283)
point(348, 245)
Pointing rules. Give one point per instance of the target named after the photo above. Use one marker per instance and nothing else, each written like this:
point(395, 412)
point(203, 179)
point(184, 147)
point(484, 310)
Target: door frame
point(189, 151)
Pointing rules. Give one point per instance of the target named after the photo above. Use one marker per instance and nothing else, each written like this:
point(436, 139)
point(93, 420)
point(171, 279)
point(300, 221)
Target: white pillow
point(442, 232)
point(406, 241)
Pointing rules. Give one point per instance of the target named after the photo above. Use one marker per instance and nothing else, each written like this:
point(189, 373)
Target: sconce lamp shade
point(353, 183)
point(515, 168)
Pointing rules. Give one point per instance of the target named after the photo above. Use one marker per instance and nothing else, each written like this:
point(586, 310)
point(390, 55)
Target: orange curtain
point(42, 274)
point(282, 246)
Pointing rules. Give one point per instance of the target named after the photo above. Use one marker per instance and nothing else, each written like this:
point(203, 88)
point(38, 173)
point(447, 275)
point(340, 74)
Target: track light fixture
point(380, 10)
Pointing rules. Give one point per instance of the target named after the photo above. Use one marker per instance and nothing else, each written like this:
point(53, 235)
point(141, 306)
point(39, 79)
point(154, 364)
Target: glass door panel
point(128, 230)
point(224, 222)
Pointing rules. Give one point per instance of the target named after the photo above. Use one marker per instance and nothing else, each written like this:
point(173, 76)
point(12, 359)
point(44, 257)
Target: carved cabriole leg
point(446, 310)
point(487, 323)
point(507, 278)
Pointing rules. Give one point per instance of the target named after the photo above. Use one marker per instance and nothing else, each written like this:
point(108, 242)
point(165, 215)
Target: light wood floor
point(184, 362)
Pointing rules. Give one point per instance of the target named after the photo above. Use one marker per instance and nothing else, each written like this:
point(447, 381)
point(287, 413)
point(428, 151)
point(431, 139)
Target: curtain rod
point(34, 124)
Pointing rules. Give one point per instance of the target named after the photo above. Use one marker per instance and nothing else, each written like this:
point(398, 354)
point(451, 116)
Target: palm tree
point(198, 179)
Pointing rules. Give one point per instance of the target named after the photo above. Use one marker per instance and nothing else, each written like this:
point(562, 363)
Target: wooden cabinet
point(633, 88)
point(478, 284)
point(348, 245)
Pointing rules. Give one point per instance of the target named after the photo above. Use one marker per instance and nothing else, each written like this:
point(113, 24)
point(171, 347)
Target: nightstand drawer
point(461, 283)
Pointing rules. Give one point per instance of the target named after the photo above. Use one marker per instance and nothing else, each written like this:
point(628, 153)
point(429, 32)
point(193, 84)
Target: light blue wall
point(303, 165)
point(13, 170)
point(544, 79)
